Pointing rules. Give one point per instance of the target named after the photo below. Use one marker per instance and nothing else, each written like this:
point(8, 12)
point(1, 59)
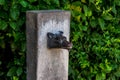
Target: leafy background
point(95, 33)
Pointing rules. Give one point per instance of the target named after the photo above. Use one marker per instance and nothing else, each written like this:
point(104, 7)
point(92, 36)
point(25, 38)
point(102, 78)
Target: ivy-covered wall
point(95, 34)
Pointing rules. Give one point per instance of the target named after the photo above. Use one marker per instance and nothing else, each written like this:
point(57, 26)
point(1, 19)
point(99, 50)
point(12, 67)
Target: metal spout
point(57, 40)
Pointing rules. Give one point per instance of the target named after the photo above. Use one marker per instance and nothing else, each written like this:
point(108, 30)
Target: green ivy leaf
point(100, 76)
point(92, 1)
point(85, 10)
point(23, 46)
point(107, 17)
point(3, 25)
point(84, 64)
point(118, 72)
point(19, 71)
point(15, 78)
point(47, 1)
point(17, 62)
point(13, 25)
point(16, 36)
point(108, 68)
point(84, 28)
point(77, 35)
point(101, 65)
point(89, 13)
point(101, 23)
point(23, 3)
point(56, 2)
point(20, 22)
point(117, 2)
point(12, 71)
point(114, 10)
point(93, 23)
point(14, 12)
point(2, 2)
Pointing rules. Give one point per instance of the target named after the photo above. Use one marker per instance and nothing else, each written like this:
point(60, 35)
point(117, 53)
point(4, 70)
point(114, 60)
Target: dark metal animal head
point(58, 41)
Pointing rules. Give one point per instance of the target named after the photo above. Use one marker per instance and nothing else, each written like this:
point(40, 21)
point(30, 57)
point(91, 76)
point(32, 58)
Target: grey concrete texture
point(44, 63)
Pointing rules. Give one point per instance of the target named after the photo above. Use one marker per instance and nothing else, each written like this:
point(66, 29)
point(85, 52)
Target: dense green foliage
point(95, 33)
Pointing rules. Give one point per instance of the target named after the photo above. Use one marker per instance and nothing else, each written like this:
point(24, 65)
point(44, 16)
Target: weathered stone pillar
point(44, 63)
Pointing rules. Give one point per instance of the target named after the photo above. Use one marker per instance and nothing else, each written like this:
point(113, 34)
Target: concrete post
point(44, 63)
